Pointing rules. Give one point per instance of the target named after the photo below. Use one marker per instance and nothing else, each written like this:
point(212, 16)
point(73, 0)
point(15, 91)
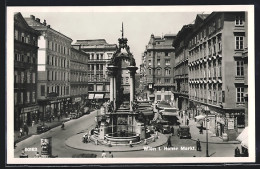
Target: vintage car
point(42, 128)
point(73, 116)
point(184, 132)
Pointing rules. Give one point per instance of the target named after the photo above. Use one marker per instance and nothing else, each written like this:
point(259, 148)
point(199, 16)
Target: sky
point(138, 26)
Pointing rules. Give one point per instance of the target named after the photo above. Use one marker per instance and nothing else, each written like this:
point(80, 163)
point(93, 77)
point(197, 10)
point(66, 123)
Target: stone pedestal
point(103, 130)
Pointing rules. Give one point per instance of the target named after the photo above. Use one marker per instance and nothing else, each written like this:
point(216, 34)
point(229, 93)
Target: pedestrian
point(237, 152)
point(26, 129)
point(110, 155)
point(37, 155)
point(198, 145)
point(172, 131)
point(21, 131)
point(103, 155)
point(169, 143)
point(187, 122)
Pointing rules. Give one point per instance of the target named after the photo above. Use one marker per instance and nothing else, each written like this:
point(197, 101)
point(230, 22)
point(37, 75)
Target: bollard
point(130, 144)
point(109, 144)
point(153, 139)
point(96, 142)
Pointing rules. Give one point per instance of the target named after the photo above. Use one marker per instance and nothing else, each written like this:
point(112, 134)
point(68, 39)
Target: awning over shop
point(243, 138)
point(166, 113)
point(200, 117)
point(148, 112)
point(91, 96)
point(107, 96)
point(99, 96)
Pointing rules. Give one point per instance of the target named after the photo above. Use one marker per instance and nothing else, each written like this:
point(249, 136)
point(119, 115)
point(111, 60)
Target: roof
point(92, 42)
point(169, 35)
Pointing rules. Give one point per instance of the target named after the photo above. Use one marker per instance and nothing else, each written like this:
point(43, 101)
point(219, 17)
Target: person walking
point(21, 131)
point(103, 155)
point(198, 145)
point(187, 122)
point(169, 143)
point(110, 155)
point(37, 155)
point(172, 131)
point(237, 152)
point(26, 129)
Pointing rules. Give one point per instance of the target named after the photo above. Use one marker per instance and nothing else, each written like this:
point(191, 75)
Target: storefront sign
point(30, 109)
point(231, 123)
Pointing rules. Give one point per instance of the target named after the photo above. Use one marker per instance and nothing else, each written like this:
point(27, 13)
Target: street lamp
point(207, 120)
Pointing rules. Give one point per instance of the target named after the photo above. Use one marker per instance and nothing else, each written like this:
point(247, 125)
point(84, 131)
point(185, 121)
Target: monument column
point(132, 70)
point(112, 73)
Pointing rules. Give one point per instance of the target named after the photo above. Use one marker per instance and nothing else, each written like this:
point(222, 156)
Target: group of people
point(104, 154)
point(86, 138)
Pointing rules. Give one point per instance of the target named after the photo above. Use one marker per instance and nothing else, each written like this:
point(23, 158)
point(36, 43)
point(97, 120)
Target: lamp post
point(207, 142)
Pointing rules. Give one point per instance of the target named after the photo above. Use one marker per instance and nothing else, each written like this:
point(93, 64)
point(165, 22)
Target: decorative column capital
point(132, 70)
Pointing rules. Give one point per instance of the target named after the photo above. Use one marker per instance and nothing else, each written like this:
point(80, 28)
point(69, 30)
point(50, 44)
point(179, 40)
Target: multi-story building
point(53, 68)
point(99, 53)
point(181, 91)
point(78, 77)
point(159, 56)
point(217, 70)
point(143, 83)
point(25, 72)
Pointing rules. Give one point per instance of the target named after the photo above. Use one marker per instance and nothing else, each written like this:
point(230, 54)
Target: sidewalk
point(33, 129)
point(195, 135)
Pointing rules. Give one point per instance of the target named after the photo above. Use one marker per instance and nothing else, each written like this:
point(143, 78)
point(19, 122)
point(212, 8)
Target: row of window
point(79, 57)
point(54, 46)
point(167, 72)
point(162, 89)
point(78, 66)
point(215, 95)
point(99, 67)
point(214, 70)
point(97, 77)
point(79, 90)
point(211, 47)
point(58, 61)
point(166, 97)
point(160, 80)
point(91, 87)
point(25, 37)
point(158, 54)
point(19, 97)
point(58, 75)
point(97, 56)
point(79, 77)
point(60, 90)
point(27, 58)
point(24, 77)
point(167, 62)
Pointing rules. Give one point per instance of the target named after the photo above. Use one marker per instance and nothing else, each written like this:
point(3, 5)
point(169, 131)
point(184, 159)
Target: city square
point(185, 94)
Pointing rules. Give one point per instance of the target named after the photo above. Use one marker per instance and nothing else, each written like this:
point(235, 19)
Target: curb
point(119, 150)
point(229, 142)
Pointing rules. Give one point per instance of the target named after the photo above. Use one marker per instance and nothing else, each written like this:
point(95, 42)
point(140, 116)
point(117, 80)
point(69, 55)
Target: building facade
point(159, 59)
point(143, 79)
point(53, 69)
point(181, 90)
point(217, 70)
point(78, 78)
point(25, 72)
point(99, 53)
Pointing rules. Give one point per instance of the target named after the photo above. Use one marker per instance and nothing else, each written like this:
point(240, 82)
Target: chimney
point(48, 26)
point(44, 22)
point(32, 16)
point(37, 19)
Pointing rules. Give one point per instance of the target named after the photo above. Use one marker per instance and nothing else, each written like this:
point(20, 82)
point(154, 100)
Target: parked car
point(184, 132)
point(42, 128)
point(166, 129)
point(73, 116)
